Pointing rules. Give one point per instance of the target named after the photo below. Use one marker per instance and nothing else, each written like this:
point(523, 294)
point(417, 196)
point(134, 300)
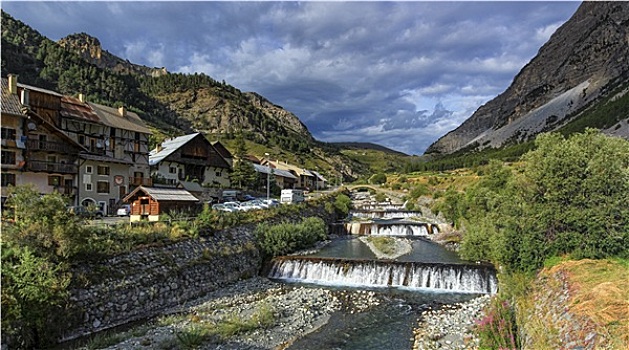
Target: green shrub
point(281, 239)
point(343, 204)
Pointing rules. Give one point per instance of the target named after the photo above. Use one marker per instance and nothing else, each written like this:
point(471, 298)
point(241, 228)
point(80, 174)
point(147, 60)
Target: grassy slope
point(597, 291)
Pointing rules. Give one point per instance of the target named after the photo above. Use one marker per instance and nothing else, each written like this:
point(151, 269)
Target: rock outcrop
point(583, 60)
point(89, 49)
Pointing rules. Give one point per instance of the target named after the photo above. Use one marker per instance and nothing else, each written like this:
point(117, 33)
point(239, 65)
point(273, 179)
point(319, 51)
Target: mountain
point(90, 50)
point(584, 64)
point(172, 103)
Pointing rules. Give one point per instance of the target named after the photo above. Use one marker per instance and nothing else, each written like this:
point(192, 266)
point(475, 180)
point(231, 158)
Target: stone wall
point(150, 281)
point(145, 283)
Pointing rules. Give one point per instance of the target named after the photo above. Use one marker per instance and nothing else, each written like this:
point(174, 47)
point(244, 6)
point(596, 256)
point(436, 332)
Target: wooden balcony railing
point(50, 146)
point(49, 167)
point(141, 181)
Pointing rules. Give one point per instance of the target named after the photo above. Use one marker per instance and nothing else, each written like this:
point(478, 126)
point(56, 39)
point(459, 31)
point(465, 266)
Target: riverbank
point(223, 319)
point(451, 326)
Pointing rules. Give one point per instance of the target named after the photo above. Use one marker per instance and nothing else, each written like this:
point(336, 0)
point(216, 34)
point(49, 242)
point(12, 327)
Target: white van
point(292, 196)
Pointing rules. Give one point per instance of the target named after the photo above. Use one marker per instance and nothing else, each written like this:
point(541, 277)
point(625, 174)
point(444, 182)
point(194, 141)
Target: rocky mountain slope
point(171, 102)
point(585, 60)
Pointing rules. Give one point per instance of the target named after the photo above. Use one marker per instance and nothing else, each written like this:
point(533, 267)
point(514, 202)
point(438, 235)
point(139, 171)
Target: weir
point(385, 214)
point(400, 228)
point(456, 278)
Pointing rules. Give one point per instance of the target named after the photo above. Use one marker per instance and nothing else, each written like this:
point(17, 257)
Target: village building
point(34, 150)
point(304, 178)
point(281, 178)
point(148, 203)
point(189, 158)
point(91, 153)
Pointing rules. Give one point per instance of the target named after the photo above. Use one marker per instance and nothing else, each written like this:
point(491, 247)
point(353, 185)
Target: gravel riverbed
point(450, 326)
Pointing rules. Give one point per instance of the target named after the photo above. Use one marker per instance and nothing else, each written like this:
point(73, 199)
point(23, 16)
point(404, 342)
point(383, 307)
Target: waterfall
point(403, 229)
point(391, 214)
point(415, 230)
point(459, 278)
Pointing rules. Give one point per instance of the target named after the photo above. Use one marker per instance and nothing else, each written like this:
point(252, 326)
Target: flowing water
point(427, 276)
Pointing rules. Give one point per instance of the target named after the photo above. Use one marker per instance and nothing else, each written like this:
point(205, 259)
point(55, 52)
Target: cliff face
point(89, 49)
point(583, 60)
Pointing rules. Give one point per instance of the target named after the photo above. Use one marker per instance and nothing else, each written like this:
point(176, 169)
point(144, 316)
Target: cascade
point(391, 214)
point(403, 229)
point(459, 278)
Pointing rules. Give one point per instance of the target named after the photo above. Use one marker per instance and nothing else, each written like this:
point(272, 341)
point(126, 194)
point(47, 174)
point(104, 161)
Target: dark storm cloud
point(396, 73)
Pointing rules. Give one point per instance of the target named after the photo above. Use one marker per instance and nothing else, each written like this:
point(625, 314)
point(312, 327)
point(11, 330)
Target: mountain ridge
point(589, 51)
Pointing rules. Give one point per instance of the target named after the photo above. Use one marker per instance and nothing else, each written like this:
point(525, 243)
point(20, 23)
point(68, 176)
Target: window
point(7, 157)
point(8, 179)
point(219, 174)
point(88, 169)
point(54, 180)
point(102, 187)
point(102, 170)
point(82, 139)
point(172, 170)
point(88, 187)
point(7, 134)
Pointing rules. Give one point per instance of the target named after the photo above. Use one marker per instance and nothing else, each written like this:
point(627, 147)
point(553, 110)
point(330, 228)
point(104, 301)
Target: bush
point(570, 197)
point(378, 179)
point(342, 204)
point(285, 238)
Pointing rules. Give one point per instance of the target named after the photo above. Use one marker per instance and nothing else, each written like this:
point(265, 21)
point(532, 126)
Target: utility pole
point(268, 177)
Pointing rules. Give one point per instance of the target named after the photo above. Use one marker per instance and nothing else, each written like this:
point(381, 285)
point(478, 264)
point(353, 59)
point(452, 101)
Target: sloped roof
point(38, 89)
point(74, 108)
point(220, 148)
point(279, 172)
point(168, 147)
point(10, 102)
point(318, 175)
point(191, 186)
point(110, 116)
point(290, 167)
point(164, 194)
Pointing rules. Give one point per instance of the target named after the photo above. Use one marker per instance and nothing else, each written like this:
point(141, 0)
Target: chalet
point(305, 178)
point(281, 178)
point(34, 150)
point(320, 181)
point(148, 203)
point(189, 158)
point(62, 143)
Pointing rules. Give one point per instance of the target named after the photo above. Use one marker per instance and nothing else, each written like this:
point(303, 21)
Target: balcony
point(67, 190)
point(50, 167)
point(141, 181)
point(48, 146)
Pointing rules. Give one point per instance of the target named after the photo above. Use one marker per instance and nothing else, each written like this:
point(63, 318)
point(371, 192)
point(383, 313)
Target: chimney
point(122, 111)
point(12, 84)
point(82, 98)
point(24, 98)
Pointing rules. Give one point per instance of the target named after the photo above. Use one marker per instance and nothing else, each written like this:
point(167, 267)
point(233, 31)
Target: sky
point(399, 74)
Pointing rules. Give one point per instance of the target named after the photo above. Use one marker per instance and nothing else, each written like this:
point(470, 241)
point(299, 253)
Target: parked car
point(124, 210)
point(251, 205)
point(232, 206)
point(221, 207)
point(86, 212)
point(248, 197)
point(272, 202)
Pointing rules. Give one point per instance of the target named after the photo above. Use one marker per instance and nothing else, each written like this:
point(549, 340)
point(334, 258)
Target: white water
point(400, 230)
point(399, 214)
point(440, 277)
